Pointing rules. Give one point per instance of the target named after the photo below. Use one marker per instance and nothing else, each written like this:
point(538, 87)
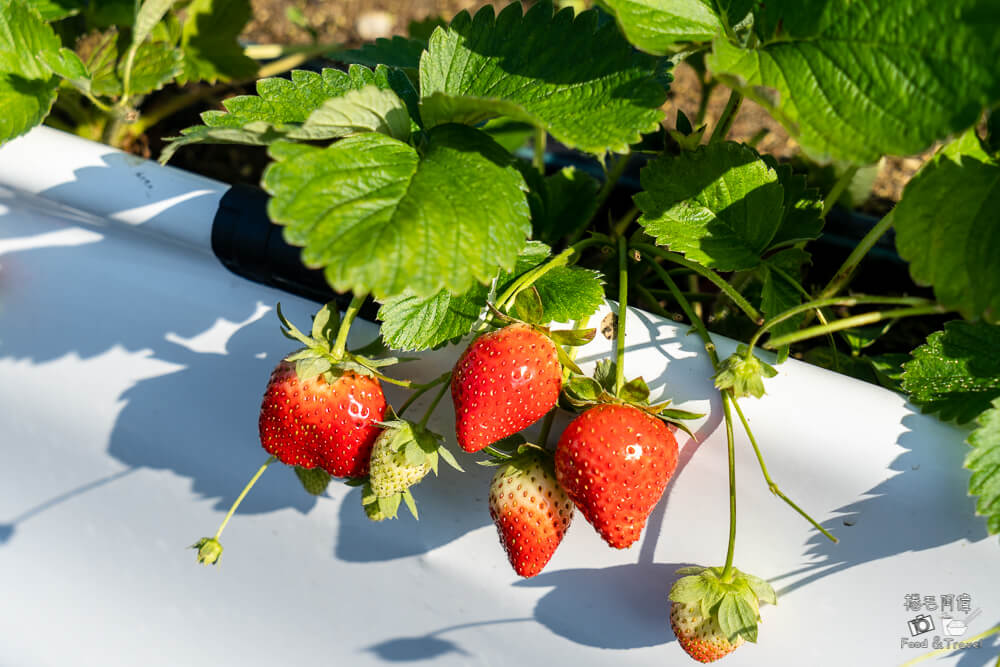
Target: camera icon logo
point(920, 624)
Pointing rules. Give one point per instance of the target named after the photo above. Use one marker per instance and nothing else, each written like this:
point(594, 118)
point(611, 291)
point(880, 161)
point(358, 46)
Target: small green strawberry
point(402, 456)
point(314, 480)
point(712, 612)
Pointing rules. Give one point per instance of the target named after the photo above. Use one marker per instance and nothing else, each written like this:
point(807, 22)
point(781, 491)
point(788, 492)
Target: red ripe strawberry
point(701, 637)
point(614, 462)
point(310, 423)
point(530, 510)
point(505, 381)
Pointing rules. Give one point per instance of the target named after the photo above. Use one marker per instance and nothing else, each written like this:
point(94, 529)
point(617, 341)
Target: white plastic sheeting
point(131, 370)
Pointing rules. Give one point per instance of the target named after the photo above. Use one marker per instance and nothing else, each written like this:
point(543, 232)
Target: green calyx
point(403, 455)
point(322, 353)
point(743, 374)
point(519, 458)
point(209, 550)
point(734, 602)
point(369, 501)
point(582, 392)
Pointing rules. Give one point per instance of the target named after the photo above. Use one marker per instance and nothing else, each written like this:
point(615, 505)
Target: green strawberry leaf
point(282, 106)
point(984, 462)
point(720, 206)
point(954, 247)
point(370, 109)
point(803, 216)
point(737, 618)
point(99, 53)
point(209, 41)
point(410, 322)
point(67, 64)
point(853, 81)
point(150, 13)
point(581, 83)
point(383, 219)
point(528, 306)
point(27, 86)
point(509, 133)
point(956, 374)
point(566, 203)
point(568, 293)
point(777, 293)
point(397, 51)
point(156, 65)
point(56, 10)
point(657, 25)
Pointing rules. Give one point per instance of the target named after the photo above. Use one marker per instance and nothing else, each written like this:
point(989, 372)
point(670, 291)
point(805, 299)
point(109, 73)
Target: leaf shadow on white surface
point(132, 330)
point(922, 506)
point(430, 645)
point(987, 654)
point(442, 520)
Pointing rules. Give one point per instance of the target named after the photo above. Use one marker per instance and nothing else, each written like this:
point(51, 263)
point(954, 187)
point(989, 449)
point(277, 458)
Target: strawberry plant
point(400, 179)
point(91, 67)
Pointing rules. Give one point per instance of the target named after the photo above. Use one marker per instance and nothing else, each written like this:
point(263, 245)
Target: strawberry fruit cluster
point(324, 412)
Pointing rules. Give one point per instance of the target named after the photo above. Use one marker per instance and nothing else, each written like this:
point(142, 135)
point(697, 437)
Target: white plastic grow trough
point(131, 369)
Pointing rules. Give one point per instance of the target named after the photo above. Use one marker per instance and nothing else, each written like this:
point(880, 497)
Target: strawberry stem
point(420, 390)
point(243, 494)
point(725, 122)
point(340, 346)
point(711, 275)
point(531, 276)
point(622, 315)
point(838, 189)
point(433, 405)
point(846, 270)
point(767, 478)
point(685, 305)
point(727, 570)
point(833, 301)
point(854, 321)
point(710, 348)
point(538, 160)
